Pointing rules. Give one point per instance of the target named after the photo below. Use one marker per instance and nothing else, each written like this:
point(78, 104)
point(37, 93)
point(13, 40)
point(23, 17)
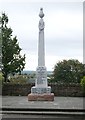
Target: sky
point(63, 29)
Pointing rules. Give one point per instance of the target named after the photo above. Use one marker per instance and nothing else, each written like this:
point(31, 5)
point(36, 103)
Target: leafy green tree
point(83, 83)
point(12, 61)
point(0, 47)
point(68, 71)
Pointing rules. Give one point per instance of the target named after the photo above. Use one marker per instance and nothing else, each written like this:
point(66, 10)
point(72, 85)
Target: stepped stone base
point(41, 97)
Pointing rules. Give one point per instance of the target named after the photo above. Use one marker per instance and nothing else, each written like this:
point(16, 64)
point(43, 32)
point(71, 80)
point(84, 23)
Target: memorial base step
point(41, 97)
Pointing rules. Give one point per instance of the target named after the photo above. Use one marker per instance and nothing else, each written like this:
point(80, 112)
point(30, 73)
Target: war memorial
point(41, 90)
point(40, 103)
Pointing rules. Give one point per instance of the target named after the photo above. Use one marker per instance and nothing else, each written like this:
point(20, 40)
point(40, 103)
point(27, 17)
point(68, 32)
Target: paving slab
point(19, 108)
point(58, 103)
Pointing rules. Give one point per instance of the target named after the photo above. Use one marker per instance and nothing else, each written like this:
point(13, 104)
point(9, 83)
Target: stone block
point(38, 90)
point(41, 97)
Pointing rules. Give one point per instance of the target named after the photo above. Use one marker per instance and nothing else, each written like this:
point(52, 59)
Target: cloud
point(50, 60)
point(63, 29)
point(21, 1)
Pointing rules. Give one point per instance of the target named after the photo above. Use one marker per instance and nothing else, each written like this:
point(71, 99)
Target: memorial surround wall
point(58, 89)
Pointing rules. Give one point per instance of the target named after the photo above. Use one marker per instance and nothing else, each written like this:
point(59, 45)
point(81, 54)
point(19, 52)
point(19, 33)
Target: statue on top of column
point(41, 22)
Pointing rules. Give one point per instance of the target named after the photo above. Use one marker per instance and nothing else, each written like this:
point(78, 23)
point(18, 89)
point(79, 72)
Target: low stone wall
point(57, 89)
point(67, 90)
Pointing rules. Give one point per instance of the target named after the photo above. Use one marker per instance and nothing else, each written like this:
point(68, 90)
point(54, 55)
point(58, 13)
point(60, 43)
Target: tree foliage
point(12, 61)
point(68, 71)
point(83, 83)
point(0, 47)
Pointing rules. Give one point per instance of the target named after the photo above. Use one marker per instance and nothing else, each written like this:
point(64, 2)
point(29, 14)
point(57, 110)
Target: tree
point(83, 83)
point(12, 61)
point(68, 71)
point(0, 47)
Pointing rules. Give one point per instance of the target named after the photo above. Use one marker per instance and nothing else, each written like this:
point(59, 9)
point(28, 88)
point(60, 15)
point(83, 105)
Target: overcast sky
point(63, 29)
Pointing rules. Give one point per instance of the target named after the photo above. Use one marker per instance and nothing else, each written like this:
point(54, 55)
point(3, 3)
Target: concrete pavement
point(58, 103)
point(62, 108)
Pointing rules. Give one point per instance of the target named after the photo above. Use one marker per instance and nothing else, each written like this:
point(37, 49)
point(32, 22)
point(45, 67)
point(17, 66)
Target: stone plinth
point(41, 97)
point(38, 90)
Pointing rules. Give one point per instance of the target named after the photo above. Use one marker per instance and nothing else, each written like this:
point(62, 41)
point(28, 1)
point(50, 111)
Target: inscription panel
point(36, 90)
point(41, 75)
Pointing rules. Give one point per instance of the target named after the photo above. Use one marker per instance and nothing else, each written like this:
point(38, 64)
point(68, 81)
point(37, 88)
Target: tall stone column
point(41, 72)
point(41, 90)
point(41, 49)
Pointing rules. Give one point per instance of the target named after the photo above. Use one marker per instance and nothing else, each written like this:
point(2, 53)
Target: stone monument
point(41, 91)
